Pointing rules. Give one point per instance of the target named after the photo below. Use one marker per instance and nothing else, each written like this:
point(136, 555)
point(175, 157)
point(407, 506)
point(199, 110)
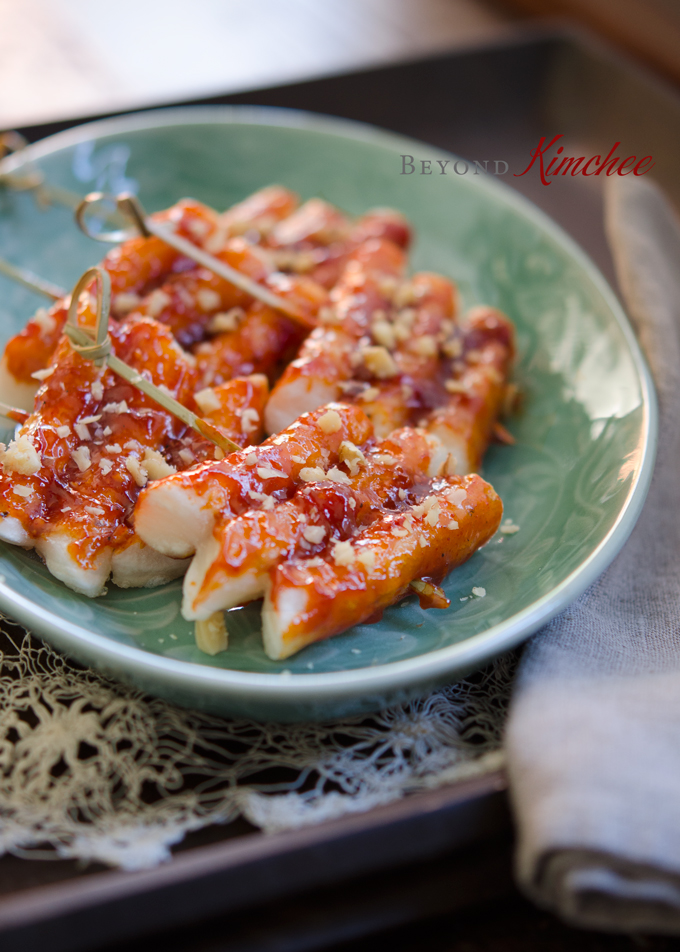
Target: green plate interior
point(574, 481)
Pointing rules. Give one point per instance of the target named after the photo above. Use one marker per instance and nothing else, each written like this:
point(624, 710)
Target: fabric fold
point(593, 737)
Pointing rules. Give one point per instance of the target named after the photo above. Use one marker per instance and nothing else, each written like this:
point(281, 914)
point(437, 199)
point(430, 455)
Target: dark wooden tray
point(433, 851)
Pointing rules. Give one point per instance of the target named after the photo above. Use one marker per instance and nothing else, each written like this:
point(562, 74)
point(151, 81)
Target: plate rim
point(431, 666)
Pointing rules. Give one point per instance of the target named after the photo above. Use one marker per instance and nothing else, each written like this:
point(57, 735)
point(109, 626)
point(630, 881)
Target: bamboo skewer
point(131, 208)
point(97, 348)
point(32, 179)
point(13, 413)
point(31, 281)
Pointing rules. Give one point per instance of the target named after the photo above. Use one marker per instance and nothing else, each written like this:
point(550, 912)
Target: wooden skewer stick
point(13, 413)
point(130, 208)
point(97, 348)
point(29, 177)
point(31, 281)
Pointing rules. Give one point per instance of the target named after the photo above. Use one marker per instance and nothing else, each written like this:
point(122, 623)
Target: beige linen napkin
point(593, 738)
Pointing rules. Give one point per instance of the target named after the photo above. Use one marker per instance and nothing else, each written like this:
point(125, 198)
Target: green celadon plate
point(574, 482)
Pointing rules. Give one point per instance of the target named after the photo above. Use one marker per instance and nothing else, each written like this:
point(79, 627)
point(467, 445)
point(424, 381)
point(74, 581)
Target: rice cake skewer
point(176, 515)
point(400, 365)
point(310, 599)
point(464, 422)
point(136, 267)
point(315, 377)
point(72, 476)
point(259, 339)
point(231, 565)
point(318, 240)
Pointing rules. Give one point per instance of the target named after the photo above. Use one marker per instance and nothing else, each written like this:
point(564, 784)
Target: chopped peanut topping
point(211, 634)
point(456, 496)
point(369, 395)
point(157, 302)
point(124, 302)
point(343, 553)
point(453, 347)
point(208, 300)
point(367, 558)
point(226, 321)
point(312, 474)
point(81, 457)
point(352, 456)
point(330, 421)
point(383, 333)
point(266, 472)
point(21, 457)
point(134, 467)
point(337, 475)
point(314, 534)
point(207, 400)
point(43, 374)
point(155, 465)
point(379, 362)
point(404, 294)
point(250, 420)
point(425, 346)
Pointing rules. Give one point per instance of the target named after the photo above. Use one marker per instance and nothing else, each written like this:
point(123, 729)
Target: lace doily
point(94, 770)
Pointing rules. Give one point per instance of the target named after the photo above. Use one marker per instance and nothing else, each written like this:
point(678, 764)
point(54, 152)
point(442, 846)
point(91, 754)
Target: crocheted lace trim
point(94, 770)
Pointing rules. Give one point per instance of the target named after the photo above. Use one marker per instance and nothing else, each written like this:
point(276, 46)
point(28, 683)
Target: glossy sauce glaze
point(94, 440)
point(217, 491)
point(330, 504)
point(309, 599)
point(135, 267)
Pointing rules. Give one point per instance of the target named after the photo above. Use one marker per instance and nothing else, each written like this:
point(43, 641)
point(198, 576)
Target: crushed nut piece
point(208, 300)
point(211, 634)
point(266, 472)
point(337, 475)
point(369, 395)
point(343, 553)
point(367, 558)
point(134, 467)
point(157, 301)
point(124, 302)
point(226, 321)
point(43, 374)
point(81, 457)
point(156, 466)
point(207, 400)
point(352, 456)
point(379, 362)
point(425, 346)
point(314, 534)
point(330, 421)
point(383, 333)
point(250, 420)
point(312, 474)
